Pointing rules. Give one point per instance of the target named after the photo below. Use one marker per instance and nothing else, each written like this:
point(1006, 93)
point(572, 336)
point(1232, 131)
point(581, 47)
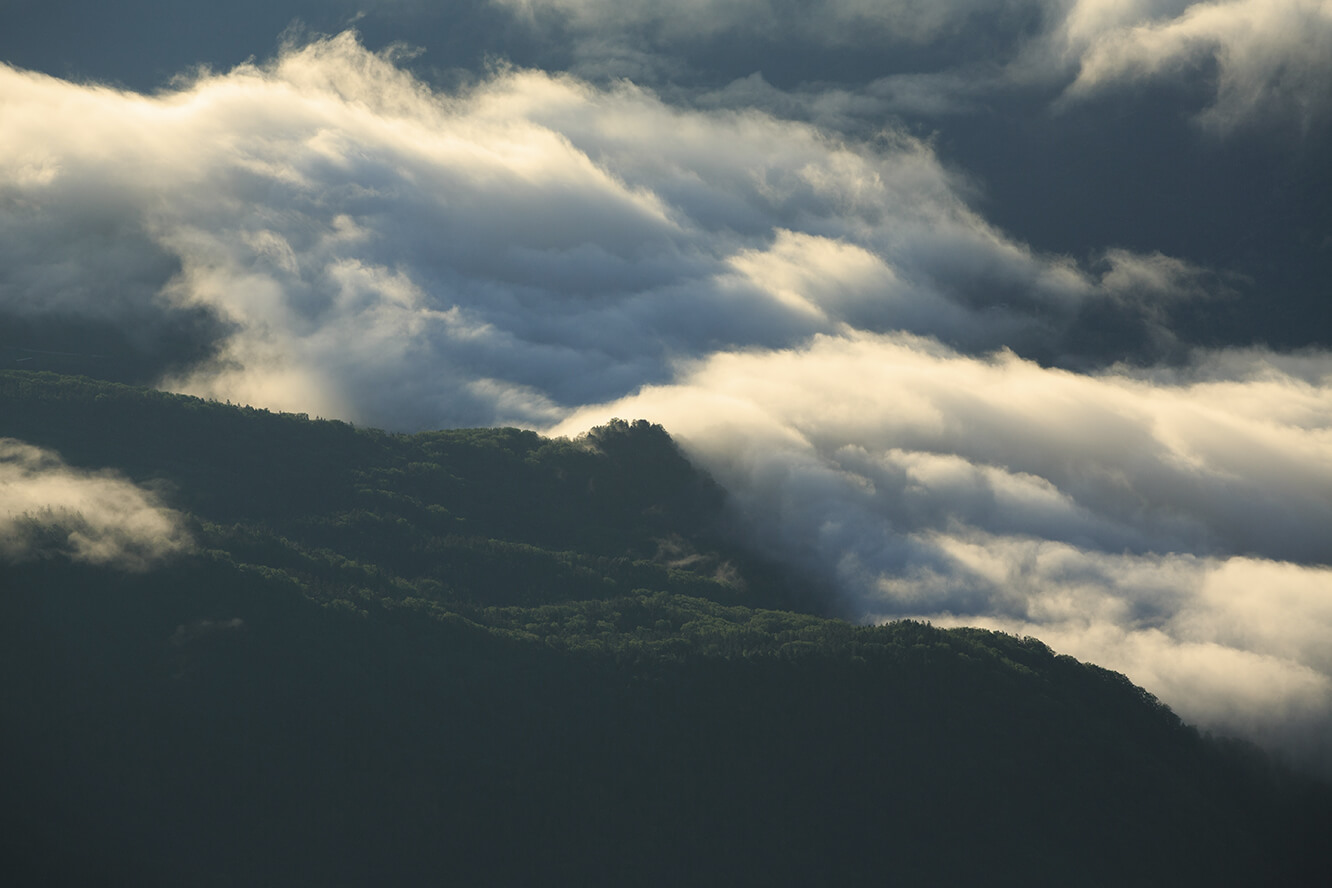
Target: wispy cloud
point(48, 508)
point(1272, 58)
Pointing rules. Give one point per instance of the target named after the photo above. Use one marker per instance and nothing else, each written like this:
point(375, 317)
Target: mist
point(49, 509)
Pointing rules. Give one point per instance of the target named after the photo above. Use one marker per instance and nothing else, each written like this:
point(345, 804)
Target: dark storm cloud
point(1197, 129)
point(1270, 57)
point(93, 305)
point(1259, 57)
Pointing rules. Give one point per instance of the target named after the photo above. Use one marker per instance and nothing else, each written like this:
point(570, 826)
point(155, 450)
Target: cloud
point(48, 508)
point(1168, 525)
point(901, 398)
point(1257, 60)
point(925, 437)
point(538, 242)
point(1272, 57)
point(827, 21)
point(1241, 648)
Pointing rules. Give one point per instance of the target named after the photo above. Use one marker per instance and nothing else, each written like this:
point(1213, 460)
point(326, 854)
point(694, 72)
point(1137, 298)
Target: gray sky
point(1006, 313)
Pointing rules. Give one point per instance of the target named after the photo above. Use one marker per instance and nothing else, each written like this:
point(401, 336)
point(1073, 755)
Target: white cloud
point(562, 242)
point(1234, 644)
point(1173, 529)
point(927, 437)
point(48, 508)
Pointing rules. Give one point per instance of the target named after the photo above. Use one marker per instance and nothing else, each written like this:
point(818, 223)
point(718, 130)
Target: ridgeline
point(482, 657)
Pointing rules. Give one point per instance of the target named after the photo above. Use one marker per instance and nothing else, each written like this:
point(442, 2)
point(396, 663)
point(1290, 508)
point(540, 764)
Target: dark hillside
point(487, 516)
point(484, 658)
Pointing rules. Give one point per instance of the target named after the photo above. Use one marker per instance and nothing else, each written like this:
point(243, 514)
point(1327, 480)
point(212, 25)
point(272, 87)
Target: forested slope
point(484, 658)
point(487, 516)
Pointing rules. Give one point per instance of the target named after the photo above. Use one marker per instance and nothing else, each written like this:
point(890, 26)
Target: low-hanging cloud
point(901, 398)
point(48, 509)
point(1172, 526)
point(1239, 645)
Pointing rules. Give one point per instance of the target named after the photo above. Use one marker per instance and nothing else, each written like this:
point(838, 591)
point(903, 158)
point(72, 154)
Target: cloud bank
point(1170, 527)
point(900, 397)
point(48, 508)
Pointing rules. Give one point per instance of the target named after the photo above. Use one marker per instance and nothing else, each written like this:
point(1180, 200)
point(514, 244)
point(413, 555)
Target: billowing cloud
point(1170, 525)
point(537, 242)
point(928, 440)
point(901, 398)
point(48, 508)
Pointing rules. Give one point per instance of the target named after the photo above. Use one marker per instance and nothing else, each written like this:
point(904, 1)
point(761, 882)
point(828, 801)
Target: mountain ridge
point(490, 658)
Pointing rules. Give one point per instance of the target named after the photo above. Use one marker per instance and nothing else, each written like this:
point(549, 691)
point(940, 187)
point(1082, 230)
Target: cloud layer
point(48, 508)
point(900, 397)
